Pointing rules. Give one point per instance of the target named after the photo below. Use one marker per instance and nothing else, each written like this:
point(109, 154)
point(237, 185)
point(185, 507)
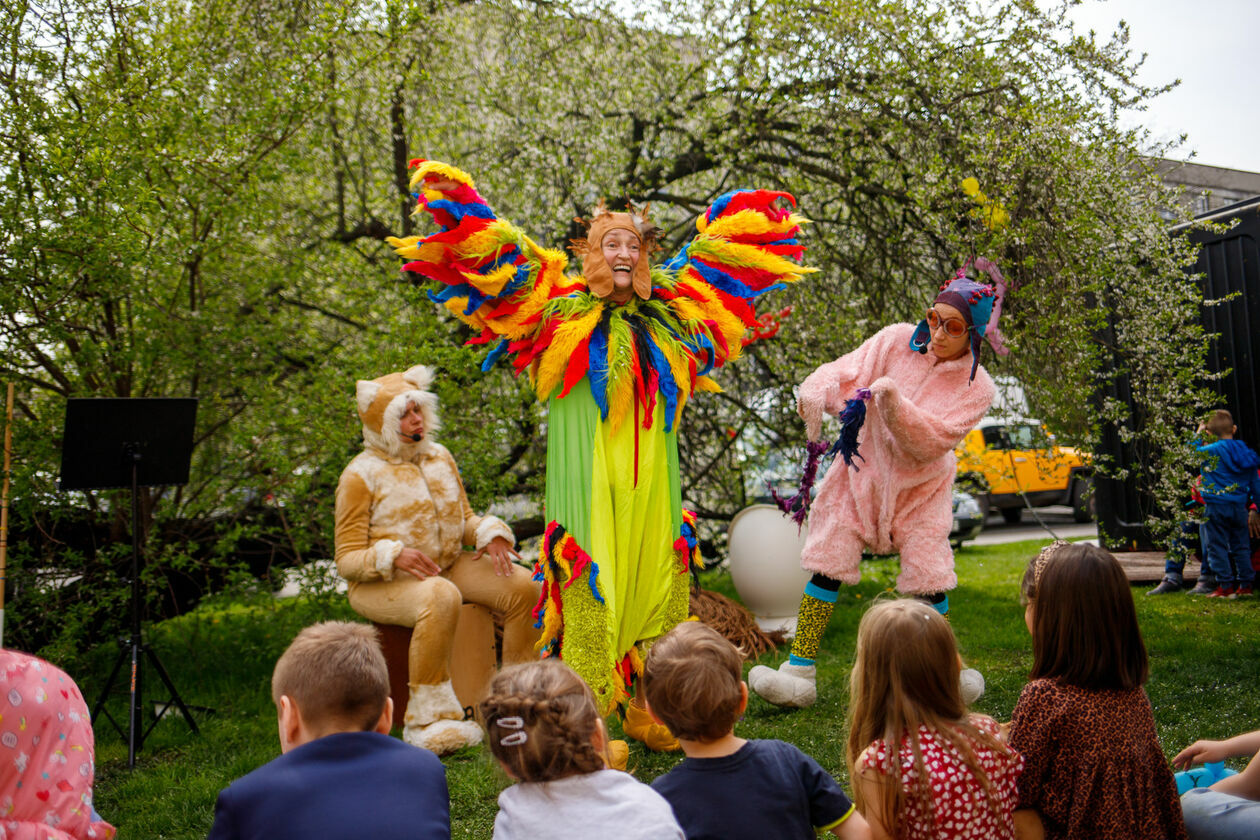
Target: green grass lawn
point(1204, 673)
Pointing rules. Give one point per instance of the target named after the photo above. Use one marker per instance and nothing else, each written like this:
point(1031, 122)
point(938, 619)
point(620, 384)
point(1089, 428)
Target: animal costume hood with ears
point(598, 273)
point(382, 402)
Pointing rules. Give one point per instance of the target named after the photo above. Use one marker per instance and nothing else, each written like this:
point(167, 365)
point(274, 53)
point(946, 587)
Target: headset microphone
point(415, 437)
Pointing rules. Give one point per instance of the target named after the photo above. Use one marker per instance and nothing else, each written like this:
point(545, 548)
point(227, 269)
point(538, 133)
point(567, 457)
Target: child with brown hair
point(728, 787)
point(1229, 481)
point(340, 775)
point(543, 727)
point(1093, 767)
point(922, 766)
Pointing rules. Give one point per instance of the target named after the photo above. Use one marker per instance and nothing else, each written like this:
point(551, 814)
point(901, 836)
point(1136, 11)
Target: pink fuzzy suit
point(899, 500)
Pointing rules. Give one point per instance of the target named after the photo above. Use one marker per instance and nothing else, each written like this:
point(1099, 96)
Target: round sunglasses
point(954, 327)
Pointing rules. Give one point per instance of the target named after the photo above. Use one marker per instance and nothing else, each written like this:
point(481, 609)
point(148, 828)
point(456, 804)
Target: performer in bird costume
point(615, 351)
point(893, 492)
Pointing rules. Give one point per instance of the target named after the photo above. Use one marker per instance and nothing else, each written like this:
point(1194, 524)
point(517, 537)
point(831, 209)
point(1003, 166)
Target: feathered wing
point(493, 277)
point(746, 245)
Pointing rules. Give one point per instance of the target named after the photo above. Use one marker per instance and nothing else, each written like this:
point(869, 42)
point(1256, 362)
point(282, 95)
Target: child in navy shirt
point(728, 787)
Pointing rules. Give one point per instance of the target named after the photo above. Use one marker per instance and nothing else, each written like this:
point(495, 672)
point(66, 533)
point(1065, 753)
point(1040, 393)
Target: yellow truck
point(1012, 464)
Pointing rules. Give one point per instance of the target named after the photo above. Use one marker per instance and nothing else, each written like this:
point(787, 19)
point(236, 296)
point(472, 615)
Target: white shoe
point(792, 686)
point(971, 682)
point(435, 720)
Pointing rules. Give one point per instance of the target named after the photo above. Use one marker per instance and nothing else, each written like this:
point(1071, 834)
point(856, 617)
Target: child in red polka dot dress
point(949, 774)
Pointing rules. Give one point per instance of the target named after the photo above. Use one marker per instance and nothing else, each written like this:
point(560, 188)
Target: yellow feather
point(488, 240)
point(752, 222)
point(687, 310)
point(493, 282)
point(751, 256)
point(445, 170)
point(552, 623)
point(556, 357)
point(557, 554)
point(636, 660)
point(405, 247)
point(433, 252)
point(620, 402)
point(682, 375)
point(456, 307)
point(704, 383)
point(511, 325)
point(743, 223)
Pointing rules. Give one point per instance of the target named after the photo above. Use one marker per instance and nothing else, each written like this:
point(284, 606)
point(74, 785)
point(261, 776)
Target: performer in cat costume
point(926, 391)
point(616, 352)
point(402, 522)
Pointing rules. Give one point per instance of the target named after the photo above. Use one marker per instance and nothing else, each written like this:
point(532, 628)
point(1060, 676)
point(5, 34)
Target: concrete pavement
point(1058, 519)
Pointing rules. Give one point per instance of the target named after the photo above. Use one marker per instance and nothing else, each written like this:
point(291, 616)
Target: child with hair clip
point(922, 767)
point(1093, 766)
point(543, 727)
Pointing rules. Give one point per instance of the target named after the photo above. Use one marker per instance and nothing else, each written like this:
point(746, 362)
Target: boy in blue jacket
point(340, 775)
point(1229, 480)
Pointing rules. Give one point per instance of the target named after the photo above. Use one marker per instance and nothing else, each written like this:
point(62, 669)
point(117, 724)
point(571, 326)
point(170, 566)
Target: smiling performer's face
point(621, 252)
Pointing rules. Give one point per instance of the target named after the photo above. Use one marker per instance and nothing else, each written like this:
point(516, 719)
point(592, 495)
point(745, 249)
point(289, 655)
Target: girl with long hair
point(1093, 764)
point(922, 766)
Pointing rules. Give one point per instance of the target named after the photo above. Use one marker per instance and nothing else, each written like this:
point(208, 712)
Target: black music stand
point(131, 443)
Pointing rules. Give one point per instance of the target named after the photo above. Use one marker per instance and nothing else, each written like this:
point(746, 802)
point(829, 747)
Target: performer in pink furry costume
point(926, 391)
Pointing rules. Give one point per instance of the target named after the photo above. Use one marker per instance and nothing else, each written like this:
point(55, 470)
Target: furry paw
point(443, 737)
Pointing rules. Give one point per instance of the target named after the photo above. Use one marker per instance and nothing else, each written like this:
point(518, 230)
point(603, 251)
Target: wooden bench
point(1148, 566)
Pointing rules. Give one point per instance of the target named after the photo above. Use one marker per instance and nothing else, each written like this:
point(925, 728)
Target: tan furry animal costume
point(396, 494)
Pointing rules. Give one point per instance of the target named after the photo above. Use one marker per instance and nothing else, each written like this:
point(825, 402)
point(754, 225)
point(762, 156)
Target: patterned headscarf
point(46, 754)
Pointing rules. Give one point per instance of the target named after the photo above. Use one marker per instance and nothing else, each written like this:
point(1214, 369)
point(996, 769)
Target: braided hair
point(541, 720)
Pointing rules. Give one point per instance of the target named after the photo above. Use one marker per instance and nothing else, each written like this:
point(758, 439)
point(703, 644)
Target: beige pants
point(431, 607)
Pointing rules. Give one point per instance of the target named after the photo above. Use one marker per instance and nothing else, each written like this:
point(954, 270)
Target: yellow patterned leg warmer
point(817, 604)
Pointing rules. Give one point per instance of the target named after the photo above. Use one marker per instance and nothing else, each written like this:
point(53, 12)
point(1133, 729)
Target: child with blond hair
point(543, 728)
point(922, 766)
point(728, 787)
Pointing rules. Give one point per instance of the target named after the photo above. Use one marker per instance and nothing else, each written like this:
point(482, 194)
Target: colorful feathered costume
point(616, 377)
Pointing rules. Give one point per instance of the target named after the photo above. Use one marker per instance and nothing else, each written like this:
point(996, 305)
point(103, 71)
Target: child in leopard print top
point(1093, 767)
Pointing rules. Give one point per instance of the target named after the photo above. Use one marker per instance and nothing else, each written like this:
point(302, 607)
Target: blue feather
point(505, 258)
point(669, 388)
point(852, 417)
point(494, 355)
point(702, 348)
point(597, 368)
point(445, 293)
point(719, 205)
point(475, 299)
point(458, 210)
point(719, 279)
point(592, 574)
point(676, 262)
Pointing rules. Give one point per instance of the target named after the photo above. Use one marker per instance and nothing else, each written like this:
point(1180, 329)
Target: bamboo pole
point(4, 501)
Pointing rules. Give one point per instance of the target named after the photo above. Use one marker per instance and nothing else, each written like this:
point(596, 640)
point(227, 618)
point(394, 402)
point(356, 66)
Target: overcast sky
point(1211, 45)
